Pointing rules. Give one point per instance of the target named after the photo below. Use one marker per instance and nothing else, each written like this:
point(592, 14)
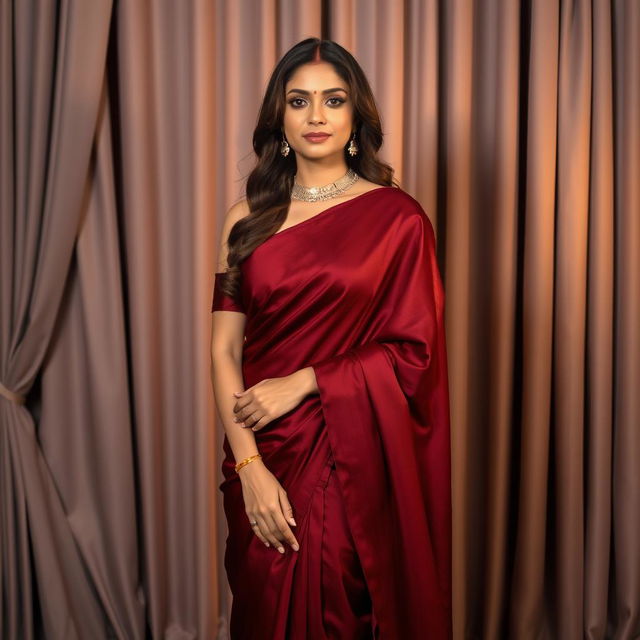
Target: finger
point(252, 418)
point(237, 408)
point(287, 509)
point(287, 512)
point(241, 394)
point(242, 402)
point(268, 528)
point(285, 530)
point(263, 530)
point(260, 423)
point(256, 529)
point(257, 521)
point(243, 412)
point(274, 530)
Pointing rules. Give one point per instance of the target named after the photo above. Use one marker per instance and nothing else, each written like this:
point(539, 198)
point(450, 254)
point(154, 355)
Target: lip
point(317, 137)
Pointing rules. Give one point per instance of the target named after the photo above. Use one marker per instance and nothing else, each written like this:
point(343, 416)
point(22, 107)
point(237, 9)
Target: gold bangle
point(247, 461)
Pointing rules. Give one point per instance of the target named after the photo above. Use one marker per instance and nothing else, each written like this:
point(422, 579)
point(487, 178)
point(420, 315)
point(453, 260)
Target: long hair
point(269, 185)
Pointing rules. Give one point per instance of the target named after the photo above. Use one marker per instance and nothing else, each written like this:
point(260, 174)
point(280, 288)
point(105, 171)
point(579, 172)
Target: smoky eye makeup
point(334, 101)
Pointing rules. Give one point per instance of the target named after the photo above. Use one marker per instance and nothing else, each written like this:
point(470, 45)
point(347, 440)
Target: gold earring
point(353, 147)
point(284, 147)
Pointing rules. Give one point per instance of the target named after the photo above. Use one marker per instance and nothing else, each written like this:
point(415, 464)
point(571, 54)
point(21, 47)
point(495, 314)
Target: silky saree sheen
point(355, 292)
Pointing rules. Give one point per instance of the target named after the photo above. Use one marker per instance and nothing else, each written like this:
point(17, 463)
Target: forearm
point(226, 377)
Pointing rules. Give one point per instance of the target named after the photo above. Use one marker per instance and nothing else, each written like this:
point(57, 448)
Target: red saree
point(356, 293)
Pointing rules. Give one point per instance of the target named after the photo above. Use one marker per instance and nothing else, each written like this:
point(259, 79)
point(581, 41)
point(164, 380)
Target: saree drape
point(355, 292)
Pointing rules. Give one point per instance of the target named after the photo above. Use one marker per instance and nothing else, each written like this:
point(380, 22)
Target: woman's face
point(309, 109)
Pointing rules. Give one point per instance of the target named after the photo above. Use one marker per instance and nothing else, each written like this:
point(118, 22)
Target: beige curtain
point(125, 134)
point(48, 115)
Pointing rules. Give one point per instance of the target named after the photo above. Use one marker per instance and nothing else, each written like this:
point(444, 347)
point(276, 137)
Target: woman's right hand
point(266, 503)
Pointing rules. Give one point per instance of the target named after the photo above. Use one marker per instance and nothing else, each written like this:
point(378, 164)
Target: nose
point(316, 114)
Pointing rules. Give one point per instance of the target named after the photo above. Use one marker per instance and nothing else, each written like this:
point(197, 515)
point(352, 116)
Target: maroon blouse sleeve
point(221, 301)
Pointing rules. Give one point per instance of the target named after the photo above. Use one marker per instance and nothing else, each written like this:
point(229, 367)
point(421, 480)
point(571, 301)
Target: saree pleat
point(354, 292)
point(330, 598)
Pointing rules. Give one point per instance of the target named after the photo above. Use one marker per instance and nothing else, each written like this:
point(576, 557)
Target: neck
point(316, 175)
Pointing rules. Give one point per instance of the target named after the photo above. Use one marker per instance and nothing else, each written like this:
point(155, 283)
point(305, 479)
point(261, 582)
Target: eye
point(294, 102)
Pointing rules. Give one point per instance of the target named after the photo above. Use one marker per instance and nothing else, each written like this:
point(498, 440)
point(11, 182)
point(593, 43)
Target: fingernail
point(266, 544)
point(281, 549)
point(253, 429)
point(293, 522)
point(235, 419)
point(295, 546)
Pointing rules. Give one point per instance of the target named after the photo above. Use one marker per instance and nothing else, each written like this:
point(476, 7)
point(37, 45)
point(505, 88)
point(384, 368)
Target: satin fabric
point(356, 293)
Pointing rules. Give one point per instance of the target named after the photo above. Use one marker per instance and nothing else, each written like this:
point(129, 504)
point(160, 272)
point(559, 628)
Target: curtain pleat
point(48, 113)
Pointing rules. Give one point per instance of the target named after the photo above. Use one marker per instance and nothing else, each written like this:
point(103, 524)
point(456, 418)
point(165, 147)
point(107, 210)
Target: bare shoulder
point(236, 212)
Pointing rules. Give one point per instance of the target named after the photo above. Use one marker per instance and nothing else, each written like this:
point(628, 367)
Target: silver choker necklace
point(313, 194)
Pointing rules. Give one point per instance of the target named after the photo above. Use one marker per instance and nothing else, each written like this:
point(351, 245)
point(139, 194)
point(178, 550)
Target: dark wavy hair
point(268, 188)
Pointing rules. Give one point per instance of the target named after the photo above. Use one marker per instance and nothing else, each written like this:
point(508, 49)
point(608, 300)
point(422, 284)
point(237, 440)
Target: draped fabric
point(355, 292)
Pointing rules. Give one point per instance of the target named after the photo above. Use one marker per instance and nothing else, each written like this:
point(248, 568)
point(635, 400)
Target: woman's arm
point(266, 501)
point(227, 339)
point(308, 382)
point(226, 377)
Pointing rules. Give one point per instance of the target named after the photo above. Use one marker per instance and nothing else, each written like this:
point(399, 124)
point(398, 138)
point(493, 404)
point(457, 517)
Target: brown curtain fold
point(125, 135)
point(48, 116)
point(86, 424)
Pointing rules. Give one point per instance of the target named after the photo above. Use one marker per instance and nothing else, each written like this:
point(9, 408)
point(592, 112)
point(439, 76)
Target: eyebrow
point(307, 93)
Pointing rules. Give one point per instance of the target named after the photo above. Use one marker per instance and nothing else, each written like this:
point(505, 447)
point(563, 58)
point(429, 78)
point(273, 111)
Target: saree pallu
point(355, 292)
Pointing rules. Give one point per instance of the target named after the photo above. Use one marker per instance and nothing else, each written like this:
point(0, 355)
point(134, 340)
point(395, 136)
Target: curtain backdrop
point(125, 135)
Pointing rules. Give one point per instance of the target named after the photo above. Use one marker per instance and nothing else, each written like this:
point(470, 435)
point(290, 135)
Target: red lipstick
point(316, 136)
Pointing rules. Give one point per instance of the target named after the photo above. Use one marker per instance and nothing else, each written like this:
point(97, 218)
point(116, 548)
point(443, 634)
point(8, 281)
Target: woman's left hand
point(272, 397)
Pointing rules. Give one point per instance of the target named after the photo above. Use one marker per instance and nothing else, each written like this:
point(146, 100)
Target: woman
point(335, 405)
